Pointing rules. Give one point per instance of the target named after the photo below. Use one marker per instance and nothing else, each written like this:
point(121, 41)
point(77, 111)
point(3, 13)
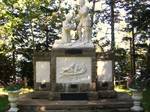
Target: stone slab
point(72, 53)
point(91, 95)
point(38, 95)
point(74, 45)
point(104, 70)
point(73, 70)
point(41, 67)
point(42, 71)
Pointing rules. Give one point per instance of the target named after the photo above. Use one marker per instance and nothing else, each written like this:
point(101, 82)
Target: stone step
point(95, 110)
point(93, 95)
point(122, 103)
point(76, 104)
point(76, 108)
point(35, 105)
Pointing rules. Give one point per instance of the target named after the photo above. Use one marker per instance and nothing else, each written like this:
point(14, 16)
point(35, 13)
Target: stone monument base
point(122, 103)
point(92, 95)
point(73, 73)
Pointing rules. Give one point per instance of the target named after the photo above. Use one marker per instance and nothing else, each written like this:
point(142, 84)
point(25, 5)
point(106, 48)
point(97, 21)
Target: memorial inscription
point(73, 51)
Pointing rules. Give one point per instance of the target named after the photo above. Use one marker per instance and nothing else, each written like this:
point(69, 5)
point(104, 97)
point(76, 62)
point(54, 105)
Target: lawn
point(146, 100)
point(3, 102)
point(121, 89)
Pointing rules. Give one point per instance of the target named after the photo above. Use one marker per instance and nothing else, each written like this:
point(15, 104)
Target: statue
point(67, 27)
point(84, 27)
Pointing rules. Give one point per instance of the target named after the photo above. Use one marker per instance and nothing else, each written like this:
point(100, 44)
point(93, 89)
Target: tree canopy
point(27, 26)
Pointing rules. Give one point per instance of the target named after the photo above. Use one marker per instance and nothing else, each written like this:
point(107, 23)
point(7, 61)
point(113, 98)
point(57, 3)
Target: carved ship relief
point(73, 70)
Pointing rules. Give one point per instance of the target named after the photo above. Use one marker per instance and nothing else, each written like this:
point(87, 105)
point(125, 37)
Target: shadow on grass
point(3, 103)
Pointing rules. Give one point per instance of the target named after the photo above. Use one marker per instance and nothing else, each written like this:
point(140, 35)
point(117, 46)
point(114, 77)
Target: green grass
point(2, 92)
point(120, 88)
point(3, 102)
point(146, 100)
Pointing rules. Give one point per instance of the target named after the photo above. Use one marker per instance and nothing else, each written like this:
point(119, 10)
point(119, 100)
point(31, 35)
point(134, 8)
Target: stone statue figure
point(84, 27)
point(67, 27)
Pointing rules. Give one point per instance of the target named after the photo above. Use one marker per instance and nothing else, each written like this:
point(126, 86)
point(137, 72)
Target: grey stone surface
point(73, 70)
point(43, 71)
point(39, 95)
point(41, 56)
point(64, 52)
point(120, 104)
point(104, 70)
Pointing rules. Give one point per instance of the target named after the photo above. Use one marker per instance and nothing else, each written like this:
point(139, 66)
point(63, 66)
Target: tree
point(6, 68)
point(122, 64)
point(138, 19)
point(27, 27)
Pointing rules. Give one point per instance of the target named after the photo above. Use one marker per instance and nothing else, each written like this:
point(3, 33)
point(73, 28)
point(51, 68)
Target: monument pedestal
point(73, 72)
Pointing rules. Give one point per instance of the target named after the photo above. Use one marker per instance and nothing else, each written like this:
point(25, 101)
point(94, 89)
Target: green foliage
point(26, 70)
point(26, 26)
point(138, 20)
point(146, 100)
point(137, 83)
point(122, 63)
point(6, 68)
point(14, 85)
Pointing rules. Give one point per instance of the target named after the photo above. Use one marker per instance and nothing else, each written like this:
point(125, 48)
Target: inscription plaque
point(104, 71)
point(43, 71)
point(73, 51)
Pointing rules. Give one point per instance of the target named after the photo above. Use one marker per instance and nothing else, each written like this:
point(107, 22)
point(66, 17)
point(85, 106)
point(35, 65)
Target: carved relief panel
point(73, 70)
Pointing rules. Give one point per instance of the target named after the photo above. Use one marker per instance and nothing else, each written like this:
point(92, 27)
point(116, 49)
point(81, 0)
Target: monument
point(73, 64)
point(71, 67)
point(70, 72)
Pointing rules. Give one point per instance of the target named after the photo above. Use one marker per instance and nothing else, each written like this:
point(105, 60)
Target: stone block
point(93, 96)
point(107, 94)
point(84, 87)
point(65, 59)
point(41, 67)
point(39, 95)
